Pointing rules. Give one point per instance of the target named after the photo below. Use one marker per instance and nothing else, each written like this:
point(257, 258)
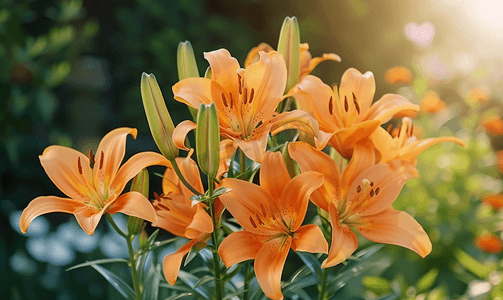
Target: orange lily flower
point(403, 143)
point(94, 185)
point(489, 243)
point(272, 215)
point(307, 62)
point(176, 214)
point(495, 201)
point(493, 125)
point(398, 75)
point(361, 197)
point(243, 99)
point(431, 103)
point(346, 116)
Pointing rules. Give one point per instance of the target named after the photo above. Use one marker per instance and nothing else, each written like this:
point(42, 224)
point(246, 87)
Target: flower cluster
point(248, 109)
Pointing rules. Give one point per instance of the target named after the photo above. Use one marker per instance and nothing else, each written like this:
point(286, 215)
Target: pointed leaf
point(205, 279)
point(191, 281)
point(311, 262)
point(98, 262)
point(151, 284)
point(427, 281)
point(123, 288)
point(180, 296)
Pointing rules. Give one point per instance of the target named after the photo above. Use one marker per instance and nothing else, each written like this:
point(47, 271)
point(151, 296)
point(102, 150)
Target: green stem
point(132, 265)
point(242, 161)
point(112, 222)
point(132, 260)
point(182, 179)
point(247, 280)
point(214, 235)
point(323, 284)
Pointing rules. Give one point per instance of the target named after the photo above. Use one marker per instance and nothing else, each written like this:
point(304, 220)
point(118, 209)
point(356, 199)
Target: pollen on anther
point(263, 210)
point(79, 166)
point(239, 84)
point(245, 95)
point(389, 128)
point(232, 100)
point(372, 193)
point(252, 93)
point(102, 156)
point(356, 104)
point(358, 189)
point(346, 105)
point(224, 100)
point(377, 191)
point(91, 158)
point(259, 220)
point(371, 183)
point(331, 105)
point(253, 222)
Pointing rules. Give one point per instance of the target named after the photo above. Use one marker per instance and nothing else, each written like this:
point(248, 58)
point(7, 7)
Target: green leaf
point(151, 238)
point(427, 280)
point(220, 191)
point(230, 274)
point(191, 281)
point(311, 262)
point(391, 296)
point(151, 284)
point(377, 285)
point(98, 262)
point(350, 272)
point(123, 288)
point(471, 264)
point(180, 296)
point(205, 279)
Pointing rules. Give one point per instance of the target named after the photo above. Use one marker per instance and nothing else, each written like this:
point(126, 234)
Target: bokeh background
point(70, 72)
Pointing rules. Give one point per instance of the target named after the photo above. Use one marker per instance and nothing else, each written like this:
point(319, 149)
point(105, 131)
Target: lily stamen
point(79, 166)
point(102, 157)
point(91, 158)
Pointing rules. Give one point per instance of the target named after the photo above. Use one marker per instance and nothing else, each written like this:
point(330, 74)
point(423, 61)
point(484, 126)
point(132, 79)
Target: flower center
point(97, 197)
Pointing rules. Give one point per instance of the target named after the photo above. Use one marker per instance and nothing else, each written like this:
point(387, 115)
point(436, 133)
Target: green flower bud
point(208, 140)
point(186, 61)
point(139, 184)
point(187, 66)
point(143, 238)
point(158, 117)
point(289, 47)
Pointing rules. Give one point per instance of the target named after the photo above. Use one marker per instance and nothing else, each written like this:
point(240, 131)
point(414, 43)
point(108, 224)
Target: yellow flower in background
point(94, 184)
point(397, 75)
point(478, 95)
point(307, 62)
point(495, 201)
point(245, 100)
point(431, 103)
point(347, 115)
point(361, 197)
point(272, 215)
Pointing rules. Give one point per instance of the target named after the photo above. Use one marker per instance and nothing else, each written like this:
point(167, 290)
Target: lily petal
point(362, 86)
point(295, 197)
point(180, 133)
point(172, 262)
point(412, 150)
point(223, 70)
point(386, 182)
point(249, 242)
point(310, 159)
point(176, 218)
point(253, 56)
point(254, 147)
point(201, 223)
point(363, 158)
point(110, 154)
point(273, 174)
point(245, 201)
point(88, 217)
point(319, 100)
point(310, 239)
point(396, 228)
point(227, 149)
point(385, 144)
point(61, 165)
point(344, 241)
point(190, 171)
point(134, 204)
point(134, 165)
point(269, 264)
point(389, 104)
point(344, 140)
point(44, 205)
point(193, 91)
point(295, 119)
point(317, 60)
point(267, 78)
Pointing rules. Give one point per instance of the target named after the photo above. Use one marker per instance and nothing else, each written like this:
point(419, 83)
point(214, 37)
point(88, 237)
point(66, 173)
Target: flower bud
point(289, 47)
point(208, 140)
point(187, 66)
point(143, 238)
point(186, 61)
point(158, 117)
point(139, 184)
